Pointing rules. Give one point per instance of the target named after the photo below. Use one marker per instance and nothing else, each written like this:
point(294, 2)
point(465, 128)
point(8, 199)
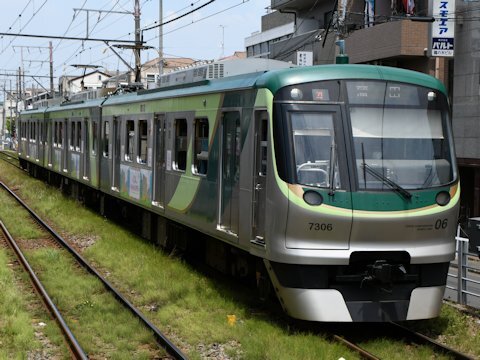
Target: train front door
point(230, 172)
point(260, 175)
point(159, 161)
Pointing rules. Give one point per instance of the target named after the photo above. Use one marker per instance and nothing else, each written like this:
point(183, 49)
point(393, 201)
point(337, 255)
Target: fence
point(463, 283)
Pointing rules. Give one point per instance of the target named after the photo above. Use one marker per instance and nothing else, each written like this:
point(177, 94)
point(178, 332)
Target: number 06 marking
point(441, 224)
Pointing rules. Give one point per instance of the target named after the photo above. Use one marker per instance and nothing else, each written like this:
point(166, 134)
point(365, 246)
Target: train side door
point(65, 152)
point(230, 172)
point(49, 143)
point(85, 149)
point(159, 161)
point(116, 155)
point(260, 175)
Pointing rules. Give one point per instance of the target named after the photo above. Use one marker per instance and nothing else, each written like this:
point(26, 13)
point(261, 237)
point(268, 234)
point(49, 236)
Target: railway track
point(9, 158)
point(75, 348)
point(395, 332)
point(161, 339)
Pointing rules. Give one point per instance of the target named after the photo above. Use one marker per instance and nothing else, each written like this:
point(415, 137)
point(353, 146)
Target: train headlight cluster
point(313, 198)
point(296, 94)
point(442, 198)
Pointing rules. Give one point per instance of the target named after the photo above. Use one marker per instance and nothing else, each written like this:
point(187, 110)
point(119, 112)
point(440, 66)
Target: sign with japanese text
point(442, 30)
point(304, 58)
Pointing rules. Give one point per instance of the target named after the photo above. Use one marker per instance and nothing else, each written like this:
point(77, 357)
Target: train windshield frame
point(392, 135)
point(400, 136)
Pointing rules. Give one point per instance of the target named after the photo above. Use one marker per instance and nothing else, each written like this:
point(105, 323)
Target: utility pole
point(160, 42)
point(52, 90)
point(19, 89)
point(138, 42)
point(138, 35)
point(40, 48)
point(223, 41)
point(3, 109)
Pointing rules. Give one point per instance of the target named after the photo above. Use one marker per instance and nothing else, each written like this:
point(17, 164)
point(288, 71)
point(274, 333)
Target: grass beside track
point(25, 325)
point(191, 308)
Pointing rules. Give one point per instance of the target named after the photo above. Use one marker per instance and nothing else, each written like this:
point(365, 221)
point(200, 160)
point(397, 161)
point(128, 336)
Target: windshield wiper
point(406, 194)
point(331, 176)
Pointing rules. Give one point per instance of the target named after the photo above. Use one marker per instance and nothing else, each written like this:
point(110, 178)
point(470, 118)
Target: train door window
point(106, 138)
point(94, 138)
point(129, 141)
point(55, 134)
point(41, 132)
point(314, 143)
point(181, 146)
point(32, 131)
point(78, 140)
point(72, 135)
point(60, 134)
point(263, 145)
point(201, 147)
point(142, 141)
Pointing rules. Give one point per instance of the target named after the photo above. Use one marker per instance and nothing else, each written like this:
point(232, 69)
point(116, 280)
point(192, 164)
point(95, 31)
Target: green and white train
point(338, 181)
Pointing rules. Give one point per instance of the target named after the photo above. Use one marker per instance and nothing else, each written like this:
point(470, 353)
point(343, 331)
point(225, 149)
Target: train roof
point(273, 80)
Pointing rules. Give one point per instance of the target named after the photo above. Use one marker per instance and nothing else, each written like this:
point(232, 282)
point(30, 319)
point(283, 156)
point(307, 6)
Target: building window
point(130, 139)
point(180, 163)
point(142, 141)
point(150, 78)
point(201, 147)
point(106, 138)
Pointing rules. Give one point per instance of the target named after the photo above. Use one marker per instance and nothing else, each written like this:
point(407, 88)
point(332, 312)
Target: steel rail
point(159, 336)
point(363, 353)
point(5, 157)
point(420, 338)
point(75, 347)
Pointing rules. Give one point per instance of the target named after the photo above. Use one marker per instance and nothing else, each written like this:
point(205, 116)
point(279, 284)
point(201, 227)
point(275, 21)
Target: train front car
point(364, 157)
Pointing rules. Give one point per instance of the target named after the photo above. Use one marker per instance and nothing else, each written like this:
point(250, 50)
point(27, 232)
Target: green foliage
point(16, 328)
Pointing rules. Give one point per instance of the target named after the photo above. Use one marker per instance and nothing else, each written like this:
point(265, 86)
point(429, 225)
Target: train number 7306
point(320, 227)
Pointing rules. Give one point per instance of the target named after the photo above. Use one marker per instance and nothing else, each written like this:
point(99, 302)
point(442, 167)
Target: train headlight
point(442, 198)
point(313, 198)
point(296, 94)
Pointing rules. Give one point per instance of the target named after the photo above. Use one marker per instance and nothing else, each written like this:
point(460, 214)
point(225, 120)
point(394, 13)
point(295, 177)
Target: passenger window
point(106, 138)
point(201, 147)
point(129, 141)
point(142, 141)
point(94, 138)
point(181, 146)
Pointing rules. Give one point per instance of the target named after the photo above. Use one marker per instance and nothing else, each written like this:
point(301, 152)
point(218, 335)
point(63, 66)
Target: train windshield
point(400, 136)
point(314, 148)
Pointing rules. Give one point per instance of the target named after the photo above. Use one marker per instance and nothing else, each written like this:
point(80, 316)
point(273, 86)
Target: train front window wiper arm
point(406, 194)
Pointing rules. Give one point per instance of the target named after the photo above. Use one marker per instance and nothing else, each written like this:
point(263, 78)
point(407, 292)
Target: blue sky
point(198, 35)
